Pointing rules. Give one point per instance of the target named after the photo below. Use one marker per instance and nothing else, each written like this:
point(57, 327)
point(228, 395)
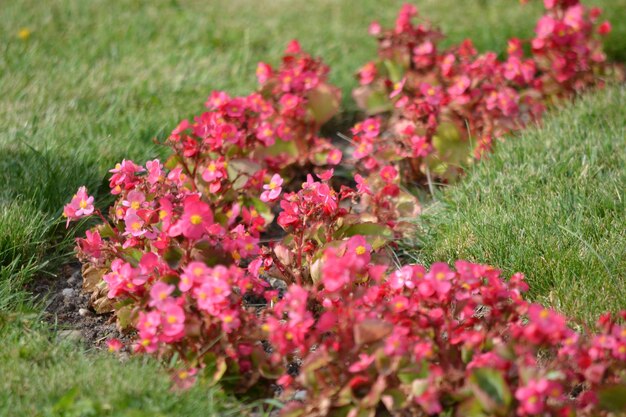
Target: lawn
point(96, 81)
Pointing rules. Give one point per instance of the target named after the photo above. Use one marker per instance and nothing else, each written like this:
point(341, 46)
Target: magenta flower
point(263, 72)
point(173, 321)
point(193, 273)
point(134, 224)
point(159, 293)
point(273, 189)
point(265, 133)
point(230, 320)
point(195, 221)
point(114, 345)
point(92, 245)
point(80, 206)
point(212, 295)
point(155, 171)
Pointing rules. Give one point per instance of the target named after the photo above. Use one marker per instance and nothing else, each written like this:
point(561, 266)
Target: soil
point(67, 307)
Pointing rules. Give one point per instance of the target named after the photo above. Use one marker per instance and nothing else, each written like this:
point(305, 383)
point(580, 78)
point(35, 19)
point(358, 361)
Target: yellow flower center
point(145, 342)
point(196, 219)
point(440, 276)
point(360, 250)
point(288, 335)
point(135, 226)
point(212, 167)
point(183, 374)
point(135, 205)
point(171, 319)
point(544, 314)
point(228, 319)
point(162, 214)
point(272, 185)
point(83, 204)
point(197, 271)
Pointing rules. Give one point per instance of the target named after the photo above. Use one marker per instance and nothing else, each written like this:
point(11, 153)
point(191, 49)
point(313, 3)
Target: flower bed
point(183, 256)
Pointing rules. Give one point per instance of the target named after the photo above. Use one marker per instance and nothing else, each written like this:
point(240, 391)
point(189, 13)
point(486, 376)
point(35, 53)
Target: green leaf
point(490, 388)
point(613, 398)
point(376, 234)
point(323, 102)
point(409, 374)
point(262, 208)
point(395, 70)
point(240, 170)
point(394, 399)
point(173, 256)
point(377, 102)
point(124, 316)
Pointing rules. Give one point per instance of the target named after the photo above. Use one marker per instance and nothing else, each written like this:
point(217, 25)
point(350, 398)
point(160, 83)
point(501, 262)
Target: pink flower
point(173, 320)
point(368, 73)
point(212, 295)
point(361, 185)
point(133, 224)
point(155, 171)
point(363, 148)
point(134, 200)
point(265, 133)
point(195, 221)
point(401, 278)
point(114, 345)
point(460, 86)
point(159, 293)
point(420, 146)
point(363, 363)
point(605, 28)
point(193, 273)
point(92, 245)
point(185, 378)
point(290, 102)
point(230, 320)
point(81, 205)
point(397, 88)
point(273, 189)
point(215, 170)
point(216, 100)
point(440, 277)
point(263, 72)
point(388, 174)
point(374, 28)
point(534, 394)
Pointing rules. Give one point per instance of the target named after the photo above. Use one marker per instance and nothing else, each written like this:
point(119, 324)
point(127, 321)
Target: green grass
point(551, 204)
point(97, 80)
point(42, 377)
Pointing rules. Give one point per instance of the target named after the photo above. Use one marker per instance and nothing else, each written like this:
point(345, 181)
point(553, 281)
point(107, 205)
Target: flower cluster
point(422, 342)
point(448, 105)
point(274, 128)
point(168, 260)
